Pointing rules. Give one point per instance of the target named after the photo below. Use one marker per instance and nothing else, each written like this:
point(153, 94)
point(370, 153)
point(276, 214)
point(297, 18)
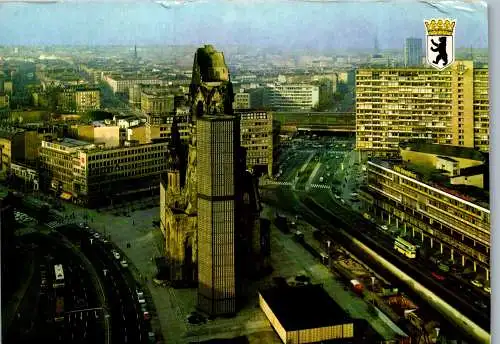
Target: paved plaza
point(173, 306)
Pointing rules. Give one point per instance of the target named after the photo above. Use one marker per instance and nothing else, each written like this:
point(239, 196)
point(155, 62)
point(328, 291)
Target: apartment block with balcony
point(394, 105)
point(438, 197)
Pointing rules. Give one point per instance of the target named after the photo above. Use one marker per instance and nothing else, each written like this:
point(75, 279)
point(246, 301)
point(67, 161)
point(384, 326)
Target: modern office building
point(413, 52)
point(121, 84)
point(394, 105)
point(290, 96)
point(92, 174)
point(438, 196)
point(256, 130)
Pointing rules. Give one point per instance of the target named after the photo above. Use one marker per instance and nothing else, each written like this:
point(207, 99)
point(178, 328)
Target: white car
point(384, 227)
point(139, 293)
point(116, 254)
point(124, 263)
point(96, 235)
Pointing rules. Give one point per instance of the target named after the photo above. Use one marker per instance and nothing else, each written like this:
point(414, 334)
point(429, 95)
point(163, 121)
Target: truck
point(357, 287)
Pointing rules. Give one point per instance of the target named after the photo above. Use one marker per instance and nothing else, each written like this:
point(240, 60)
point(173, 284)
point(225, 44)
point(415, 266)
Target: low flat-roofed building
point(305, 314)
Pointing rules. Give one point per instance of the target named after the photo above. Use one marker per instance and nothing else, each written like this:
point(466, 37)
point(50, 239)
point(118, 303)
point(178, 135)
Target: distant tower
point(135, 52)
point(375, 44)
point(413, 52)
point(217, 143)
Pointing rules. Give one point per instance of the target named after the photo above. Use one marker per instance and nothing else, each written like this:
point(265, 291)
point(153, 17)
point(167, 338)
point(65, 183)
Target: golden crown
point(440, 27)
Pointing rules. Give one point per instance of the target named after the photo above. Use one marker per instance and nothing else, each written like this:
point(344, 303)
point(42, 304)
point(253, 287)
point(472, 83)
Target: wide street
point(37, 317)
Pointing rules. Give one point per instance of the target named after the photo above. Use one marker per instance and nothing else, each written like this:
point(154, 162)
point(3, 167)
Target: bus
point(59, 316)
point(404, 247)
point(58, 276)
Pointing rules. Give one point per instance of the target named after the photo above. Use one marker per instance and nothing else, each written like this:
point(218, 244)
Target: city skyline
point(276, 24)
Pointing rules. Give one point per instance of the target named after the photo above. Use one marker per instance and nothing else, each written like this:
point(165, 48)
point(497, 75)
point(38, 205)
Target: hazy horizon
point(289, 25)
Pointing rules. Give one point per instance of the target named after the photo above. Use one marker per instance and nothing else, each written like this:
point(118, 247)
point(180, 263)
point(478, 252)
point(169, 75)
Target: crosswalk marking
point(320, 186)
point(275, 182)
point(59, 223)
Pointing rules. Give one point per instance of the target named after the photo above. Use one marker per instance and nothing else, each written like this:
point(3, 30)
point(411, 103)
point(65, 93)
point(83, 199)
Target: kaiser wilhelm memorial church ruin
point(209, 202)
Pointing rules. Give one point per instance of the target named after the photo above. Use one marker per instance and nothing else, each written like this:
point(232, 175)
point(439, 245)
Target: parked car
point(124, 263)
point(487, 289)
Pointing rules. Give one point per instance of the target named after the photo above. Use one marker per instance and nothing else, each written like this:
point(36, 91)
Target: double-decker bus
point(406, 248)
point(59, 315)
point(58, 276)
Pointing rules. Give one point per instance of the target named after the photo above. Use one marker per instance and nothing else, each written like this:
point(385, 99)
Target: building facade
point(92, 174)
point(433, 209)
point(157, 101)
point(256, 130)
point(121, 84)
point(413, 52)
point(394, 105)
point(241, 101)
point(291, 96)
point(79, 99)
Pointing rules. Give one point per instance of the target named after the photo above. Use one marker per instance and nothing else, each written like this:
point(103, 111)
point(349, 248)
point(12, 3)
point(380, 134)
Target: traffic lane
point(22, 326)
point(124, 303)
point(78, 294)
point(119, 300)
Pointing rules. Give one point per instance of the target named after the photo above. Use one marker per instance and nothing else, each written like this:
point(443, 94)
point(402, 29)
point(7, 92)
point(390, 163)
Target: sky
point(320, 26)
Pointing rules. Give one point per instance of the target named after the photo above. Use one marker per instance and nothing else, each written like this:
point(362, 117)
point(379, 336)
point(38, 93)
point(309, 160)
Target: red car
point(438, 276)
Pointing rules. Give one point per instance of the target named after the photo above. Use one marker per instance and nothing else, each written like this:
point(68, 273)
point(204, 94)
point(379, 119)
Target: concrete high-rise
point(413, 52)
point(448, 107)
point(217, 144)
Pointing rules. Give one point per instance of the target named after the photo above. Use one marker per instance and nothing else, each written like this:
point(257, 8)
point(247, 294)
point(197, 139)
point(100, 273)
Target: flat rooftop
point(72, 143)
point(304, 307)
point(437, 179)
